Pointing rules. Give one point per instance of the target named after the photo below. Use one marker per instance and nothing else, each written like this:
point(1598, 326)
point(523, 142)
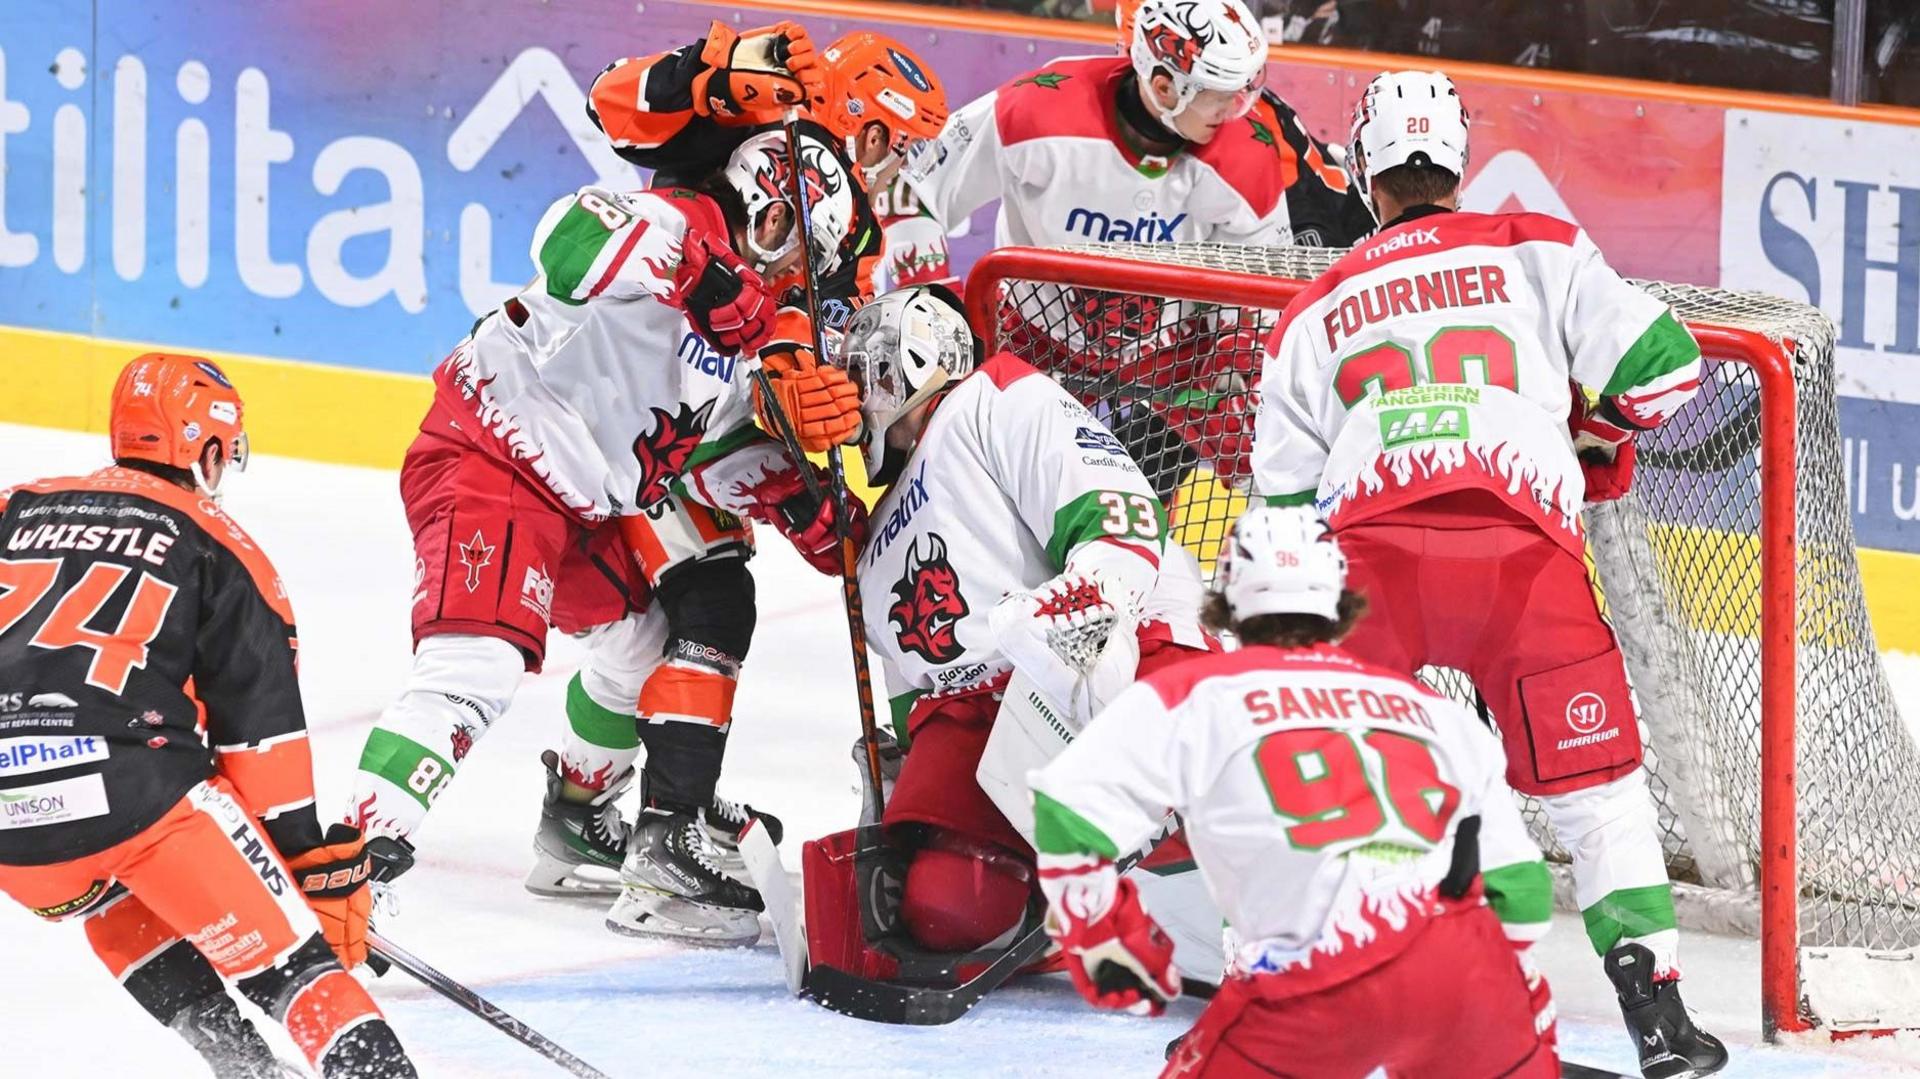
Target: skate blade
point(640, 913)
point(559, 879)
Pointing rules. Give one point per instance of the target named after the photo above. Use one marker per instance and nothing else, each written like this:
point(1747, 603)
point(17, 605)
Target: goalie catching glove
point(1117, 955)
point(757, 75)
point(1073, 635)
point(820, 403)
point(334, 878)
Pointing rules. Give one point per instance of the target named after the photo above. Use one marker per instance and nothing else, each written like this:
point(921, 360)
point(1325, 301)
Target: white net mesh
point(1677, 562)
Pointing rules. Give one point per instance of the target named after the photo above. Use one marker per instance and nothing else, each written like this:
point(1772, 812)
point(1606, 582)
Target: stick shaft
point(479, 1006)
point(849, 554)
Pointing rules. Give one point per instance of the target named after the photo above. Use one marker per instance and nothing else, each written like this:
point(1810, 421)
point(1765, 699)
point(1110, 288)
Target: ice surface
point(635, 1008)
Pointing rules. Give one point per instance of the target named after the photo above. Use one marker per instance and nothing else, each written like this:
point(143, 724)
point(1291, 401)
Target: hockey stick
point(1570, 1070)
point(480, 1006)
point(849, 556)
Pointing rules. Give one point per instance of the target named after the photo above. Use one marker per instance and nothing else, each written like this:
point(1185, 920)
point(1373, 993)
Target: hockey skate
point(578, 847)
point(1669, 1044)
point(724, 821)
point(672, 885)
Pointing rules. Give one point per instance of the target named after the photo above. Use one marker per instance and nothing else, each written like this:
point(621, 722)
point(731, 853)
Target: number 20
point(1388, 366)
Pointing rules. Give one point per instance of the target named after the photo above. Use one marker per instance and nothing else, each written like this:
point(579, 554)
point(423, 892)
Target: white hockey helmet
point(1202, 45)
point(760, 173)
point(899, 350)
point(1281, 560)
point(1407, 118)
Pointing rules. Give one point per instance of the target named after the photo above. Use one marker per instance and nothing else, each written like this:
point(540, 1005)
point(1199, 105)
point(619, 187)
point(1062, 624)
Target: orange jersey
point(135, 614)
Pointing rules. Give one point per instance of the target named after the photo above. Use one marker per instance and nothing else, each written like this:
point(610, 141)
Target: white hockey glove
point(1059, 634)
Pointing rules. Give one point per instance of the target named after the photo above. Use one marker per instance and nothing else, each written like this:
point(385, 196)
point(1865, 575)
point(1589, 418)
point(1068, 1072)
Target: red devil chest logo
point(664, 450)
point(927, 603)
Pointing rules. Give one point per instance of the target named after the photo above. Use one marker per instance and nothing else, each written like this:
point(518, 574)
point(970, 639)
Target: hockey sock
point(459, 685)
point(683, 764)
point(602, 742)
point(328, 1014)
point(1619, 869)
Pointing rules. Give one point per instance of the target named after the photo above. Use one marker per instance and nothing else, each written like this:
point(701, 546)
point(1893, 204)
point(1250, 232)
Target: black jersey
point(146, 643)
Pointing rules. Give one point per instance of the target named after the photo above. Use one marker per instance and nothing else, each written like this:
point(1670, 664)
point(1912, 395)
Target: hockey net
point(1774, 747)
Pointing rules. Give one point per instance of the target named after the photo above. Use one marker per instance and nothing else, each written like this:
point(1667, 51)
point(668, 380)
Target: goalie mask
point(1201, 45)
point(1407, 118)
point(760, 172)
point(1281, 560)
point(900, 350)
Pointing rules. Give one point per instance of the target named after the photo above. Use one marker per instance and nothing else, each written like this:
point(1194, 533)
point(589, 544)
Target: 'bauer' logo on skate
point(1586, 713)
point(475, 554)
point(927, 603)
point(663, 451)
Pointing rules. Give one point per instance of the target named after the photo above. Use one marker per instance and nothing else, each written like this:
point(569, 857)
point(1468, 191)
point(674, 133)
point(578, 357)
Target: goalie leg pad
point(831, 897)
point(961, 895)
point(937, 785)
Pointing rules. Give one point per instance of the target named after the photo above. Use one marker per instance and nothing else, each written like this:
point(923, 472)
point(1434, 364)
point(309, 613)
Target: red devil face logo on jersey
point(663, 451)
point(927, 603)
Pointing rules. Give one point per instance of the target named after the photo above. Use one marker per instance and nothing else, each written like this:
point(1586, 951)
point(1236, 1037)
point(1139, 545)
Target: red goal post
point(1014, 286)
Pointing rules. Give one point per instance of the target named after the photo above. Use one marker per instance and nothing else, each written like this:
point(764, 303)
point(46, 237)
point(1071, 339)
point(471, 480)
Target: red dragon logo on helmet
point(775, 177)
point(664, 450)
point(1173, 48)
point(927, 603)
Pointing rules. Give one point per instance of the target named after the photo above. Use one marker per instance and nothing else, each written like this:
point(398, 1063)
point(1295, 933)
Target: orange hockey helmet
point(1123, 13)
point(167, 408)
point(872, 78)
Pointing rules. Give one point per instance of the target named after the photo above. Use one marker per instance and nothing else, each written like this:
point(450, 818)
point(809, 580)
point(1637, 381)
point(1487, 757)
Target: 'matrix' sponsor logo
point(1148, 228)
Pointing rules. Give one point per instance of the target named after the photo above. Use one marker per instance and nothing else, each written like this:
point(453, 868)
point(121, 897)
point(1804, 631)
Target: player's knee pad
point(961, 894)
point(621, 656)
point(319, 1003)
point(709, 603)
point(460, 684)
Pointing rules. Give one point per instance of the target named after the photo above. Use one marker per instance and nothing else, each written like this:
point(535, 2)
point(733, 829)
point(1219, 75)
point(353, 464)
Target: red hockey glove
point(1117, 955)
point(756, 76)
point(722, 296)
point(1605, 449)
point(808, 522)
point(334, 877)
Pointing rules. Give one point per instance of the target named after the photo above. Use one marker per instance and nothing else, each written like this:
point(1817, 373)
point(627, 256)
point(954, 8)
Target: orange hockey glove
point(819, 401)
point(756, 76)
point(334, 878)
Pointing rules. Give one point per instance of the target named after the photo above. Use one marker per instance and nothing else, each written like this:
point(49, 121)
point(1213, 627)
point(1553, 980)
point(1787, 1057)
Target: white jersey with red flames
point(1320, 795)
point(1439, 356)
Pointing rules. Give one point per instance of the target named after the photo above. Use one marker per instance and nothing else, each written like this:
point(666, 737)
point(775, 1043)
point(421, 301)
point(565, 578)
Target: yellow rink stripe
point(358, 417)
point(293, 408)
